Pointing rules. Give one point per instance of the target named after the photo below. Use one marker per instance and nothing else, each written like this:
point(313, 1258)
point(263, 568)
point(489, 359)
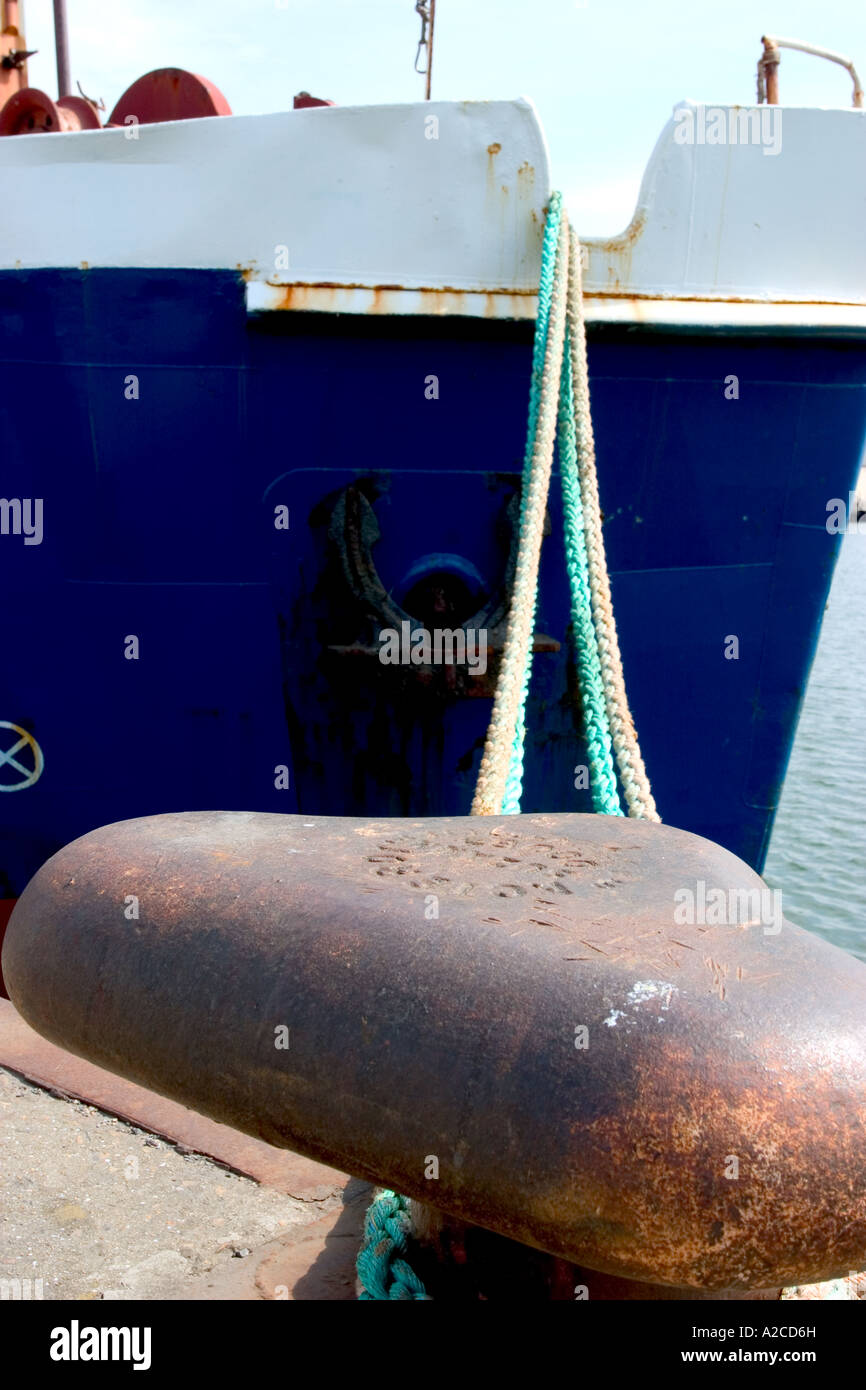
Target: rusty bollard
point(595, 1036)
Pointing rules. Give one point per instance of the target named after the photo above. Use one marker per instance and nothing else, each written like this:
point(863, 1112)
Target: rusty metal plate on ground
point(593, 1035)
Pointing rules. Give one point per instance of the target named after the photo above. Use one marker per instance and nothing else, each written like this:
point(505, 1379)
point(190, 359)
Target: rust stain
point(636, 296)
point(325, 295)
point(618, 251)
point(328, 298)
point(492, 151)
point(626, 241)
point(330, 285)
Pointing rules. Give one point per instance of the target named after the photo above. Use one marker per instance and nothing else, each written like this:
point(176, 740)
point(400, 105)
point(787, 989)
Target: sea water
point(817, 854)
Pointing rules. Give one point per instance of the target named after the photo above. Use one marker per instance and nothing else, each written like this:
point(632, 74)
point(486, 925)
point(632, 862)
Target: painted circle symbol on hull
point(8, 756)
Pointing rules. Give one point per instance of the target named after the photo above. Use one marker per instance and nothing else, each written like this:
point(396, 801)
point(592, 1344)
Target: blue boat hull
point(159, 524)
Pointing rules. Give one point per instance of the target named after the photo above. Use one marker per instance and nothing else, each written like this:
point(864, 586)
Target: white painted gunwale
point(377, 218)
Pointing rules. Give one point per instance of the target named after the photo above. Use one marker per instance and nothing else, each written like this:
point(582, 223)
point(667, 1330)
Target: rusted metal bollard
point(594, 1036)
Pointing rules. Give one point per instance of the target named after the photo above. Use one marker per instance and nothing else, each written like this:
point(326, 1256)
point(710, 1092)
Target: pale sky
point(603, 76)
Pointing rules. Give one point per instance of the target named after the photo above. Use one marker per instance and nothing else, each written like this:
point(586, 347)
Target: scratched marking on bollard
point(710, 1132)
point(550, 866)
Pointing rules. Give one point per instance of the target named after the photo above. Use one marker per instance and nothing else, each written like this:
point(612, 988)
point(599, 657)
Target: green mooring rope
point(602, 769)
point(605, 797)
point(383, 1270)
point(514, 786)
point(382, 1267)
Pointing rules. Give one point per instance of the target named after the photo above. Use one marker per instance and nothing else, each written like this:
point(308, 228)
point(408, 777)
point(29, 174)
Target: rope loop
point(559, 414)
point(382, 1266)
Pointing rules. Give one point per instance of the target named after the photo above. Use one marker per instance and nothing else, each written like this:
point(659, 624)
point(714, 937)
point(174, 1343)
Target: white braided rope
point(496, 759)
point(632, 773)
point(566, 307)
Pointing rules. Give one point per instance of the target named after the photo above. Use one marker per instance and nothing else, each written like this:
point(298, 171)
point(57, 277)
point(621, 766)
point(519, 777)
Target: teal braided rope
point(381, 1264)
point(599, 746)
point(542, 321)
point(514, 783)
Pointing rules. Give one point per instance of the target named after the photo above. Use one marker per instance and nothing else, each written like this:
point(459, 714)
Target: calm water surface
point(818, 852)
